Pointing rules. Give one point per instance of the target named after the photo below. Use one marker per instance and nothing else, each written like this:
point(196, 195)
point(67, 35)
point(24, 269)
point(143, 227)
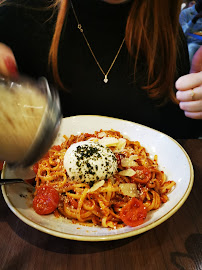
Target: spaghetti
point(137, 187)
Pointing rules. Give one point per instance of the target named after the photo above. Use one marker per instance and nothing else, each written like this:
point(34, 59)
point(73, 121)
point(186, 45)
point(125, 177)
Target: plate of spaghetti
point(103, 179)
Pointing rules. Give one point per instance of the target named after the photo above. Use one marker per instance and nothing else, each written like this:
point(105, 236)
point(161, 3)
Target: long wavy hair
point(151, 30)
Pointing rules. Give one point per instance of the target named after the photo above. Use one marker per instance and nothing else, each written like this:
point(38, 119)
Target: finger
point(190, 95)
point(11, 67)
point(196, 65)
point(189, 81)
point(191, 106)
point(8, 66)
point(193, 115)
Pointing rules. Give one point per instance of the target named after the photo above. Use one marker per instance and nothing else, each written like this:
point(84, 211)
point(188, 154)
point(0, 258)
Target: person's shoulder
point(187, 13)
point(192, 10)
point(188, 10)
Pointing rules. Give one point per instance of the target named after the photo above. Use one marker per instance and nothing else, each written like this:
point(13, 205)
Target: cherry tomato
point(35, 167)
point(133, 213)
point(142, 175)
point(46, 200)
point(1, 165)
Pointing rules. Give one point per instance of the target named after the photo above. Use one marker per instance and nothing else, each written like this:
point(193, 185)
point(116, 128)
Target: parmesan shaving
point(129, 189)
point(120, 146)
point(96, 186)
point(127, 162)
point(101, 134)
point(108, 141)
point(133, 157)
point(128, 172)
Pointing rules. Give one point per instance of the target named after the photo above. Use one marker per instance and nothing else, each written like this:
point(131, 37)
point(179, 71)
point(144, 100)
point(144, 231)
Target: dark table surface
point(175, 244)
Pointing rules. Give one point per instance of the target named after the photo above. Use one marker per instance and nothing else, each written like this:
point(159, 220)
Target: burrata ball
point(89, 162)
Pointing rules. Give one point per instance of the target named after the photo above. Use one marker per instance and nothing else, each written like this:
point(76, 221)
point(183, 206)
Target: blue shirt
point(188, 26)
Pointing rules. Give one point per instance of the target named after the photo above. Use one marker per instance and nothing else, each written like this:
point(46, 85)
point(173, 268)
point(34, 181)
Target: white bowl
point(172, 159)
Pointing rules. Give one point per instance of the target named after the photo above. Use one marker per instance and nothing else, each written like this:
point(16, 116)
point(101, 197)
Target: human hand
point(190, 88)
point(1, 165)
point(190, 94)
point(8, 66)
point(196, 65)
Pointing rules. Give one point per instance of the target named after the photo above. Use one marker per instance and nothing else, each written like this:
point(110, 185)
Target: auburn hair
point(152, 31)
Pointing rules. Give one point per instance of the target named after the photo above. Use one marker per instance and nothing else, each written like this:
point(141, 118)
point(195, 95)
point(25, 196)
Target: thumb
point(196, 65)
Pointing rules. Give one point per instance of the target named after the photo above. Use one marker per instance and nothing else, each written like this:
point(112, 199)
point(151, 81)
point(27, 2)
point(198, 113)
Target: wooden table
point(175, 244)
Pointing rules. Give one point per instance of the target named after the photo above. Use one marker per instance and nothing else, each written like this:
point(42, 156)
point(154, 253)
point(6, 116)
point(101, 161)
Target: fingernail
point(11, 66)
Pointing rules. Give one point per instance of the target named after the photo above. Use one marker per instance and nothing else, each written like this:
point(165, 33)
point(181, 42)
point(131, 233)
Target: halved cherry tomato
point(142, 175)
point(1, 165)
point(133, 213)
point(46, 200)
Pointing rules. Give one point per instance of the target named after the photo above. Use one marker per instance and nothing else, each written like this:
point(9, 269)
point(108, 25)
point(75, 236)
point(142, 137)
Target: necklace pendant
point(105, 79)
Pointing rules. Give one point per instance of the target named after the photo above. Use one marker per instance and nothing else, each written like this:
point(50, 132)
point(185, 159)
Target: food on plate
point(89, 161)
point(46, 201)
point(100, 179)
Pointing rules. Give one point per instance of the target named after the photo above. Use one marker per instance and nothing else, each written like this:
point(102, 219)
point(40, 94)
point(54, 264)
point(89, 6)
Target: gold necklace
point(82, 31)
